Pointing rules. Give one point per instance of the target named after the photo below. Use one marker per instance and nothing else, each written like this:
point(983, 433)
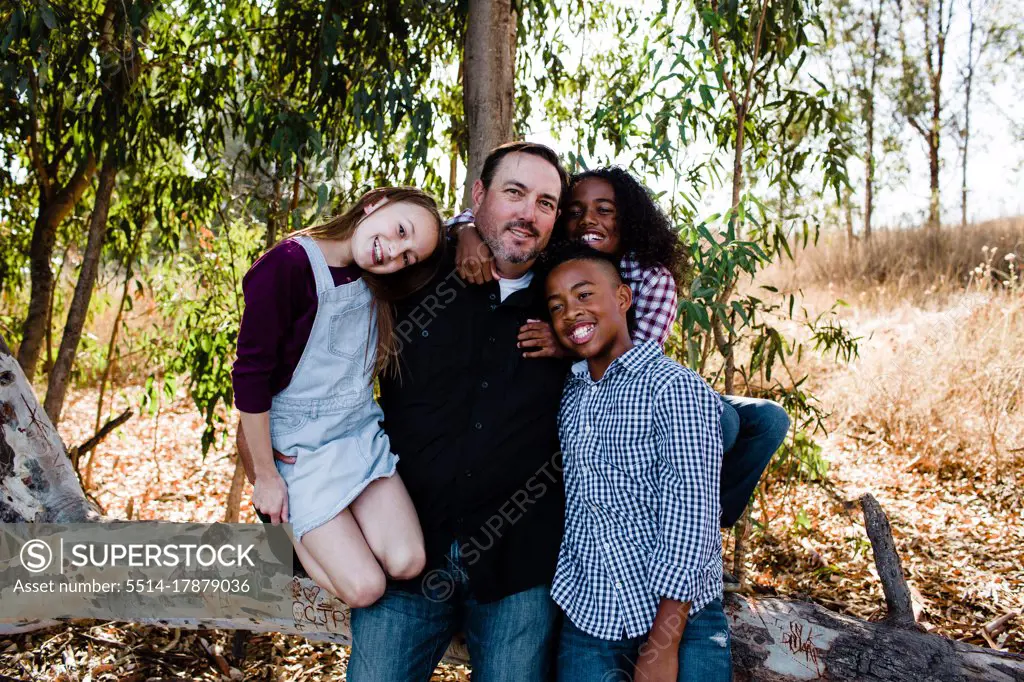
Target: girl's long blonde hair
point(393, 287)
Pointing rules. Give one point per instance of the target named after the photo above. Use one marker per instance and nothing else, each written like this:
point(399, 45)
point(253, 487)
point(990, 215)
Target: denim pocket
point(287, 423)
point(350, 332)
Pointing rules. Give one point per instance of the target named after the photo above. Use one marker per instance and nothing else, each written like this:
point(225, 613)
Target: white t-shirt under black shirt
point(510, 286)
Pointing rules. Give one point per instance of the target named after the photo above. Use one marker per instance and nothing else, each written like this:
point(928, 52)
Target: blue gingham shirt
point(642, 454)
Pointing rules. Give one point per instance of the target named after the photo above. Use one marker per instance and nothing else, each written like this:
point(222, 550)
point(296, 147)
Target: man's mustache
point(523, 225)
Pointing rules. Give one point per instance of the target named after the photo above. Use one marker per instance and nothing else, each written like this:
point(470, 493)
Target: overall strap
point(322, 273)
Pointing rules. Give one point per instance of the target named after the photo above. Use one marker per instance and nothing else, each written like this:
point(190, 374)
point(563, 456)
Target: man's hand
point(473, 259)
point(270, 496)
point(539, 337)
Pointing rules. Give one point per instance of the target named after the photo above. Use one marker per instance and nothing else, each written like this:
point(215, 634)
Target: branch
point(721, 59)
point(77, 452)
point(887, 562)
point(757, 55)
point(34, 148)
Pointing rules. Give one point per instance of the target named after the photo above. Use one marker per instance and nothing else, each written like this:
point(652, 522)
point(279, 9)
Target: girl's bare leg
point(337, 557)
point(386, 516)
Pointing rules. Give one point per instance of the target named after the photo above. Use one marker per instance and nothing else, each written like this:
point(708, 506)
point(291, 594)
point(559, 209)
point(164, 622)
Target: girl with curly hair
point(613, 212)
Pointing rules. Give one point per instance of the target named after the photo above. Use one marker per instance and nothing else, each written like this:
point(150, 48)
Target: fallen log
point(774, 639)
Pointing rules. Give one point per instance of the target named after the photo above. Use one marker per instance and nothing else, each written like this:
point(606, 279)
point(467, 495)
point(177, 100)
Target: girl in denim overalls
point(317, 326)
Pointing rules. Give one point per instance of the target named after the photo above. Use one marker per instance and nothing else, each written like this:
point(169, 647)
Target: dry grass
point(900, 265)
point(930, 419)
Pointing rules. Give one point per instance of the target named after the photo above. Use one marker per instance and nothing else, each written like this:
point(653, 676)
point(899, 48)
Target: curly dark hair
point(644, 229)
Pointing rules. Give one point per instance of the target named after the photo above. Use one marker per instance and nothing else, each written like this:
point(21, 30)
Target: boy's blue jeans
point(402, 637)
point(752, 430)
point(704, 653)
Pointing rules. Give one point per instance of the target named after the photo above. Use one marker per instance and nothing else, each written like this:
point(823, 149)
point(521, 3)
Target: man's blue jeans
point(752, 430)
point(704, 653)
point(402, 637)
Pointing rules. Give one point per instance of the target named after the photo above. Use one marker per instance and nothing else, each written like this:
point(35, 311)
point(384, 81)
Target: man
point(474, 423)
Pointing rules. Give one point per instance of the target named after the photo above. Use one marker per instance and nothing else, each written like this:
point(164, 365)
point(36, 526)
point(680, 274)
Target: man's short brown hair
point(545, 152)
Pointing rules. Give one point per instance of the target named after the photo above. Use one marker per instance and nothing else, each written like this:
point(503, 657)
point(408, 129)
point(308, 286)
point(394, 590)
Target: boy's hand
point(473, 259)
point(659, 655)
point(539, 337)
point(657, 666)
point(270, 496)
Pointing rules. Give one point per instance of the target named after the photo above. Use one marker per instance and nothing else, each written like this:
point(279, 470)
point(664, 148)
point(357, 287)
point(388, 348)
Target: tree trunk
point(273, 212)
point(37, 481)
point(112, 346)
point(57, 387)
point(44, 234)
point(773, 640)
point(869, 115)
point(489, 81)
point(968, 80)
point(848, 213)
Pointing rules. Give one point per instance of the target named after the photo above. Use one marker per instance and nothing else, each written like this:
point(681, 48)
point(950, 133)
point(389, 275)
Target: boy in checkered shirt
point(639, 574)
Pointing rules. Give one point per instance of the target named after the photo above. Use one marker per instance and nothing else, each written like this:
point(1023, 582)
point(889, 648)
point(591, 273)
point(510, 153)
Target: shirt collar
point(633, 360)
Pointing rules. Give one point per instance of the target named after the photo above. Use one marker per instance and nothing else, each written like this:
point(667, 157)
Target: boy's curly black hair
point(644, 229)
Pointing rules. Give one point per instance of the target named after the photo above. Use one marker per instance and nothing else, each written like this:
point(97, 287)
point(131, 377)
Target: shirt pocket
point(350, 335)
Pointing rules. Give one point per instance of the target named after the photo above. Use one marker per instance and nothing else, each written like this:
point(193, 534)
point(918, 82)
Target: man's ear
point(625, 297)
point(370, 208)
point(477, 194)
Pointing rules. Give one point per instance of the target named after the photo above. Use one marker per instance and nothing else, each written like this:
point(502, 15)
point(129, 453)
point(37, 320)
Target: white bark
point(37, 482)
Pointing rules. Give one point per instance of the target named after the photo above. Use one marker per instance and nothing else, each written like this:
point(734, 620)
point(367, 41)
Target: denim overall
point(326, 417)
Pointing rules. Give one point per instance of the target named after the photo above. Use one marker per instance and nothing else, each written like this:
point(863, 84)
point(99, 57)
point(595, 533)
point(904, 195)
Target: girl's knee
point(406, 563)
point(364, 591)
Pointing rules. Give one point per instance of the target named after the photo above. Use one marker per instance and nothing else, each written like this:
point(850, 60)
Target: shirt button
point(492, 297)
point(484, 384)
point(491, 339)
point(468, 473)
point(607, 546)
point(594, 387)
point(493, 306)
point(478, 426)
point(618, 584)
point(587, 428)
point(425, 333)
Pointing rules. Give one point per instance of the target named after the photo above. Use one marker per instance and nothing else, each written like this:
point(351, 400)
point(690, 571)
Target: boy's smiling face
point(588, 304)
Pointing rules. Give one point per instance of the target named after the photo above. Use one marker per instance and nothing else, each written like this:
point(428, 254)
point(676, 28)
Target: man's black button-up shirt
point(474, 425)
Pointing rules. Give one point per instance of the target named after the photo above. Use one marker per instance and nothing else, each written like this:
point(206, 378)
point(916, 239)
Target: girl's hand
point(540, 338)
point(473, 259)
point(270, 496)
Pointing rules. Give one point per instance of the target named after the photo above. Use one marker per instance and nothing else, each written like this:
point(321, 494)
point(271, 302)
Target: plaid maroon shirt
point(654, 300)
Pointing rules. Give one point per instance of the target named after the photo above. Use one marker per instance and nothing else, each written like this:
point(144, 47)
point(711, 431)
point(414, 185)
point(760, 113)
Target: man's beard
point(498, 248)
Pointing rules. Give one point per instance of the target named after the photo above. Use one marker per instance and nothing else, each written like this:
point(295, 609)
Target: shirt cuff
point(672, 582)
point(464, 217)
point(252, 395)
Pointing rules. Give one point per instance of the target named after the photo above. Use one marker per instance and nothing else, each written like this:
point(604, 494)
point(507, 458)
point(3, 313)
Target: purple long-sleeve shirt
point(280, 306)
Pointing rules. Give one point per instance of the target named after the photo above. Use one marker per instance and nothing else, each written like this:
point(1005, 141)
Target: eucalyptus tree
point(47, 70)
point(119, 85)
point(862, 35)
point(919, 92)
